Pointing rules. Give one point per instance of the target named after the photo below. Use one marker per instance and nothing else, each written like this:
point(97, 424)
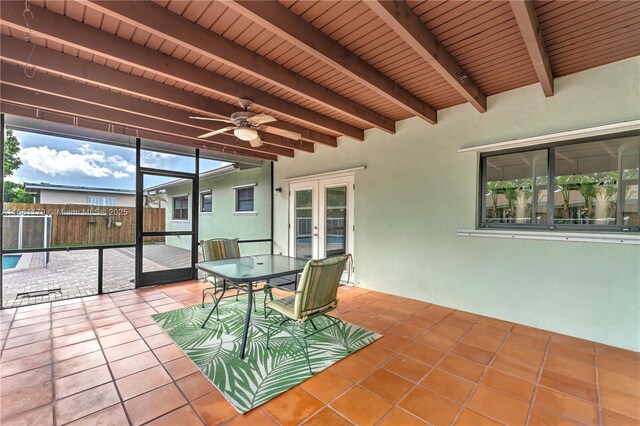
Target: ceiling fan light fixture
point(245, 134)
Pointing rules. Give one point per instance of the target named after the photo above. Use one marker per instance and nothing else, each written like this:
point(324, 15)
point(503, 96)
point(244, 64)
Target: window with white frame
point(180, 208)
point(206, 202)
point(590, 185)
point(101, 201)
point(244, 199)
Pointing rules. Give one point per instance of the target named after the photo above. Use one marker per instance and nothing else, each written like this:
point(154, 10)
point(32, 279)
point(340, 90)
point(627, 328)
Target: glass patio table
point(248, 270)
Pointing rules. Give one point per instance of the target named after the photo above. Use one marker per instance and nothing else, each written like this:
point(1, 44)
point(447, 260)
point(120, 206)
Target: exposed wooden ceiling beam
point(527, 20)
point(400, 17)
point(13, 50)
point(159, 21)
point(45, 83)
point(286, 24)
point(226, 153)
point(30, 97)
point(58, 28)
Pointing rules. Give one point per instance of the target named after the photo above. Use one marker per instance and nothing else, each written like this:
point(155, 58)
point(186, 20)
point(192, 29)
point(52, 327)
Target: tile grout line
point(53, 373)
point(189, 402)
point(113, 380)
point(4, 342)
point(540, 371)
point(93, 329)
point(173, 381)
point(598, 399)
point(35, 368)
point(101, 350)
point(109, 368)
point(477, 383)
point(436, 364)
point(395, 353)
point(353, 384)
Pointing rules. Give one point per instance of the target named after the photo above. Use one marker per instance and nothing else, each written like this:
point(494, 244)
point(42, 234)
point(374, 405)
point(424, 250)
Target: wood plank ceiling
point(323, 68)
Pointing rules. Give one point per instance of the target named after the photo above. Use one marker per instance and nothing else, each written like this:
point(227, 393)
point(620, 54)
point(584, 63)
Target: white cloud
point(89, 162)
point(52, 162)
point(158, 160)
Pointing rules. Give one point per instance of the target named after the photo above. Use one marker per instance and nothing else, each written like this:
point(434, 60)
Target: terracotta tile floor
point(103, 360)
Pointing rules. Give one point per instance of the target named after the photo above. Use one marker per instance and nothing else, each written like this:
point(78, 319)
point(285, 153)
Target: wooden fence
point(75, 224)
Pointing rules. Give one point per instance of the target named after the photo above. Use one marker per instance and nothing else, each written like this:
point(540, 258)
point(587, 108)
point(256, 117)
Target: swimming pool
point(9, 261)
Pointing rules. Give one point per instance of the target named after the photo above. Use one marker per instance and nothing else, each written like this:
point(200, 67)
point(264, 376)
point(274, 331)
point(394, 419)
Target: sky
point(63, 161)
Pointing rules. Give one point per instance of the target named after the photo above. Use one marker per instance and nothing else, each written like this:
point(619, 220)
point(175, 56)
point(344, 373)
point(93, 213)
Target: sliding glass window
point(590, 185)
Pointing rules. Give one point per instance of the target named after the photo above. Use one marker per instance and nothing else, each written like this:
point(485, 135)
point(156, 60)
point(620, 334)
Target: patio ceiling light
point(245, 134)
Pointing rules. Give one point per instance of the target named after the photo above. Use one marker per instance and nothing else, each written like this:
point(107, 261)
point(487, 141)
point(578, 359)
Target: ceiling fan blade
point(256, 143)
point(212, 119)
point(261, 119)
point(281, 132)
point(216, 132)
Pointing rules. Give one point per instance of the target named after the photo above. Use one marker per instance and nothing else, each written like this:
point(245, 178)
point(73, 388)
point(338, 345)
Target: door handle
point(315, 235)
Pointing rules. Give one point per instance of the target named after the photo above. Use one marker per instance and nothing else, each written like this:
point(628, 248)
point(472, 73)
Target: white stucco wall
point(417, 191)
point(75, 197)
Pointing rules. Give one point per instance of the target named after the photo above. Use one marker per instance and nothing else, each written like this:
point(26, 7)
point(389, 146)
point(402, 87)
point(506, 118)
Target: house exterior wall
point(223, 222)
point(75, 197)
point(417, 191)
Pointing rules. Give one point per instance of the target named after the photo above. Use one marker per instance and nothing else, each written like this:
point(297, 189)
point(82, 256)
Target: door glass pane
point(516, 188)
point(303, 223)
point(336, 214)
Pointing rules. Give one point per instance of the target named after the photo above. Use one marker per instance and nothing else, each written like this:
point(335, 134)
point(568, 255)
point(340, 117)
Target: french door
point(321, 218)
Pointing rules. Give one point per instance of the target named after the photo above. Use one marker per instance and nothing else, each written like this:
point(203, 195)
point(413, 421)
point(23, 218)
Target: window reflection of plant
point(518, 193)
point(566, 184)
point(596, 189)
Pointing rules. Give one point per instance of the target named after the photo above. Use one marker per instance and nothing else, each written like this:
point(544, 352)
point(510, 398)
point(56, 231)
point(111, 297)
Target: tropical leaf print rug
point(263, 374)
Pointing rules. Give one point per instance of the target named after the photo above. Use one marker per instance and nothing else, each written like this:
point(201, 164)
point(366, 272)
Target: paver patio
point(75, 273)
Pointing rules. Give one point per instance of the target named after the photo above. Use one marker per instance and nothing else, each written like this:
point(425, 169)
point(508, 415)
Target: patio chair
point(316, 296)
point(219, 249)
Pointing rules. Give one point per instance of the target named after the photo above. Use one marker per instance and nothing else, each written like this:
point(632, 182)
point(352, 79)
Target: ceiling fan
point(246, 125)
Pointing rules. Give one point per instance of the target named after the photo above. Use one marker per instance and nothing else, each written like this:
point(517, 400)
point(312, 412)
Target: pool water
point(9, 261)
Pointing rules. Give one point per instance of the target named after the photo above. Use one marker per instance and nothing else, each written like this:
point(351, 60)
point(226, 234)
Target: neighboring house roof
point(72, 188)
point(210, 173)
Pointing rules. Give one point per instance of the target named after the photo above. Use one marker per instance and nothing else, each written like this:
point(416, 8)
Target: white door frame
point(318, 187)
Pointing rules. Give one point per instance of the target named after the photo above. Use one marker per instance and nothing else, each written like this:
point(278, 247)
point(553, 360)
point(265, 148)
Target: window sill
point(205, 213)
point(245, 213)
point(580, 237)
point(180, 221)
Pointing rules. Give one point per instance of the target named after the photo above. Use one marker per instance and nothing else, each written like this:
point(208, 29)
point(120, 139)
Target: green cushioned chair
point(316, 295)
point(218, 249)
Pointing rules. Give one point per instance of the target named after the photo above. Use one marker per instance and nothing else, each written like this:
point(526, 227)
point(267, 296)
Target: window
point(102, 201)
point(206, 202)
point(181, 208)
point(568, 186)
point(244, 199)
